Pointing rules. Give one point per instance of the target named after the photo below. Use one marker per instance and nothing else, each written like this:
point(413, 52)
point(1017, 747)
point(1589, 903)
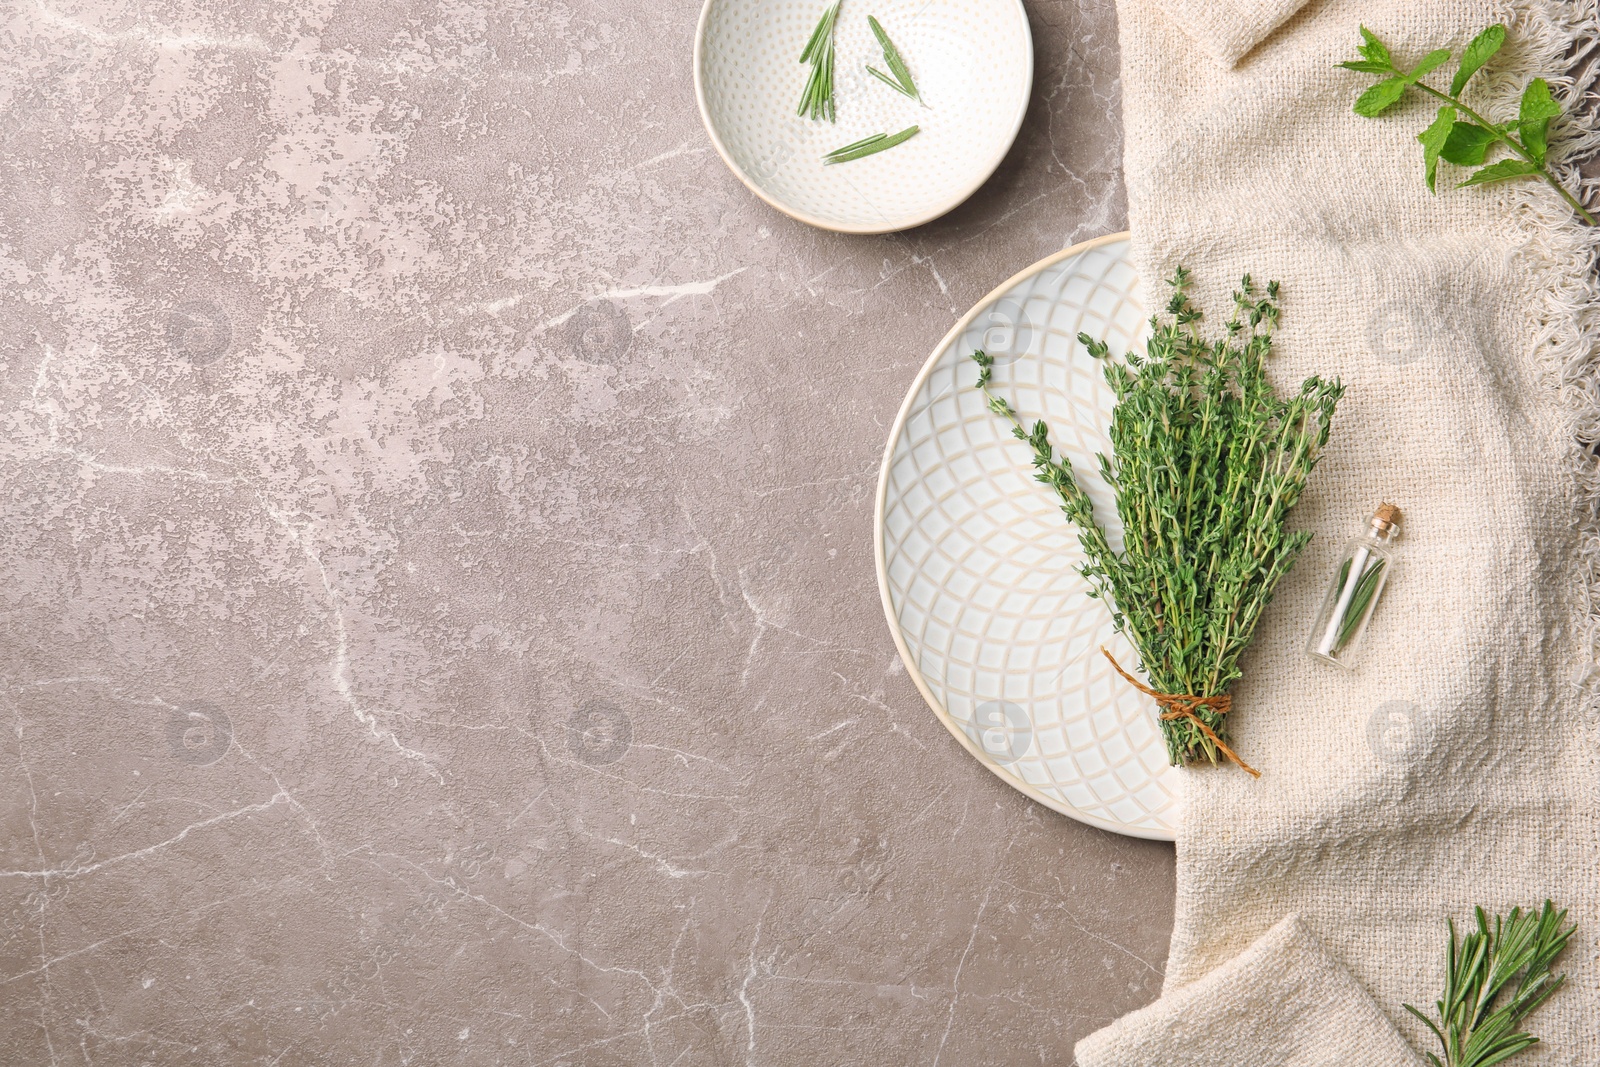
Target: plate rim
point(945, 208)
point(881, 560)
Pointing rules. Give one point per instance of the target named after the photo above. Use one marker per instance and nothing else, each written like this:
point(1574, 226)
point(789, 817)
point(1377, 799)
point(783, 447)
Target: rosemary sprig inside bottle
point(817, 100)
point(1366, 585)
point(1208, 461)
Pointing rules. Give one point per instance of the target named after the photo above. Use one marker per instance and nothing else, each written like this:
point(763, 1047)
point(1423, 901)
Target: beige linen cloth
point(1458, 764)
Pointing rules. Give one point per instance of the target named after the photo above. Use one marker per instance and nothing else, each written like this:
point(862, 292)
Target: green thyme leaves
point(1494, 979)
point(1207, 462)
point(868, 146)
point(1458, 134)
point(816, 101)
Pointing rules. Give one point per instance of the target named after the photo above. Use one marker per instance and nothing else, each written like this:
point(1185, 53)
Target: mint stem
point(1510, 143)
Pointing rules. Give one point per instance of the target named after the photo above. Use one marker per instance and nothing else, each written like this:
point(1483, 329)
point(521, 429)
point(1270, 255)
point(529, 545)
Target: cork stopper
point(1386, 521)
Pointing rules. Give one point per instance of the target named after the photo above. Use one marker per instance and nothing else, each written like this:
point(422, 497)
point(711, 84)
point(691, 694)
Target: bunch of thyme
point(1208, 463)
point(1474, 1026)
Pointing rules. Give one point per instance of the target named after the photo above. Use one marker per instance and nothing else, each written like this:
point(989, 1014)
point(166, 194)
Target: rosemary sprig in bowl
point(901, 81)
point(869, 146)
point(1209, 461)
point(816, 101)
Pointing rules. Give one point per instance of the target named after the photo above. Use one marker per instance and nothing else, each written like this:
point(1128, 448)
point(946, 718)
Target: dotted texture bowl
point(978, 567)
point(972, 61)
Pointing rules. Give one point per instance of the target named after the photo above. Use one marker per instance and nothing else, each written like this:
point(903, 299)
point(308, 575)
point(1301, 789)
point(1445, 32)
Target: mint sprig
point(1458, 134)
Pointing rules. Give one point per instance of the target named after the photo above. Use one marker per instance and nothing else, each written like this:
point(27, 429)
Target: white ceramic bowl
point(972, 61)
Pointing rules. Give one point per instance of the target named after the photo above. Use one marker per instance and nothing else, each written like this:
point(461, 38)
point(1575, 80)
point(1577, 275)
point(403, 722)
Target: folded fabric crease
point(1283, 1002)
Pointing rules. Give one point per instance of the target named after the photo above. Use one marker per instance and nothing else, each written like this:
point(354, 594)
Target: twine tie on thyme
point(1184, 706)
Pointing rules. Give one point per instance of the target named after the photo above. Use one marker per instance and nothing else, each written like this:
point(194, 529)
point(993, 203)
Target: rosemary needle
point(890, 82)
point(867, 146)
point(897, 66)
point(824, 25)
point(1358, 601)
point(816, 101)
point(853, 145)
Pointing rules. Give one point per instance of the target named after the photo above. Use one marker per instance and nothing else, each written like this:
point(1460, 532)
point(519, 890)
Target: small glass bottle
point(1363, 571)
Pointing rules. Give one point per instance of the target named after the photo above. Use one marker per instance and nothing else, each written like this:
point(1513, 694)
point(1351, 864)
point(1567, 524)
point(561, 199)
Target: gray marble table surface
point(440, 623)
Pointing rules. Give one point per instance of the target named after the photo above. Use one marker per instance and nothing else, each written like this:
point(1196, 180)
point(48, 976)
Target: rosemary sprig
point(1474, 1029)
point(901, 82)
point(1357, 608)
point(1466, 141)
point(816, 101)
point(1208, 463)
point(867, 146)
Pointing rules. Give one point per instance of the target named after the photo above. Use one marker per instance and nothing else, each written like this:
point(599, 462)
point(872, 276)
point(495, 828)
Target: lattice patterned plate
point(978, 567)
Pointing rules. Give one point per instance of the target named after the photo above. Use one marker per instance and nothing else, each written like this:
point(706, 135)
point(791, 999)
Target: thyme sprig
point(1208, 463)
point(1466, 141)
point(816, 101)
point(1515, 955)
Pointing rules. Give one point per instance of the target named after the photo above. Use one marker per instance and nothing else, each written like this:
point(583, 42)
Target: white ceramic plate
point(972, 61)
point(978, 567)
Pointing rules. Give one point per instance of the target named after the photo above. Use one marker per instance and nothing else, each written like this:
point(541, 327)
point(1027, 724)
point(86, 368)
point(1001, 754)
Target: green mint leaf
point(1433, 59)
point(1467, 144)
point(1533, 120)
point(1433, 141)
point(1366, 66)
point(1374, 50)
point(1380, 97)
point(1481, 49)
point(1499, 172)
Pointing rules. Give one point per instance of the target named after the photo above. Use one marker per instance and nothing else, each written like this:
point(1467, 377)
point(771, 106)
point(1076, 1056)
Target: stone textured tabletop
point(435, 560)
